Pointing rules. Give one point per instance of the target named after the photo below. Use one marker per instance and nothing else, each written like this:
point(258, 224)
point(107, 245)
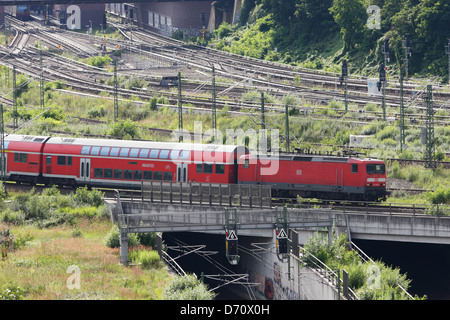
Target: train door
point(85, 170)
point(339, 178)
point(182, 172)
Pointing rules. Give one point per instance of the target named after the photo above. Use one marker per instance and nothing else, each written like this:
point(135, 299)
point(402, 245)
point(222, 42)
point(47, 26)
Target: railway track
point(231, 64)
point(206, 103)
point(63, 68)
point(338, 205)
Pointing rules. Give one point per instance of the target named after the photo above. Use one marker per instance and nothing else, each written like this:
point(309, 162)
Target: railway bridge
point(215, 212)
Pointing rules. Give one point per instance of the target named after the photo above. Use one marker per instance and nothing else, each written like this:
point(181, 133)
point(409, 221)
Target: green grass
point(39, 268)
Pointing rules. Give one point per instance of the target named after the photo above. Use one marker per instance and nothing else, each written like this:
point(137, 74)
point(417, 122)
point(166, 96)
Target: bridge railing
point(325, 271)
point(212, 194)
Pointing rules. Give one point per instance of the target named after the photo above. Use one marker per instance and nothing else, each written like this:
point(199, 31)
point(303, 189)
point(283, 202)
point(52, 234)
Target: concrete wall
point(275, 283)
point(168, 16)
point(2, 15)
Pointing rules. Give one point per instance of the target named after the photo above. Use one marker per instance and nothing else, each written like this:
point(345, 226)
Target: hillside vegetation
point(319, 34)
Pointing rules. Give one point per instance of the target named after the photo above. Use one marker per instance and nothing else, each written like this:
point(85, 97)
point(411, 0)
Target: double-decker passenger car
point(316, 176)
point(117, 163)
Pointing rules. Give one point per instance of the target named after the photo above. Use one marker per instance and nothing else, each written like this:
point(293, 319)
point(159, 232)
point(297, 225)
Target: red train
point(124, 164)
point(21, 12)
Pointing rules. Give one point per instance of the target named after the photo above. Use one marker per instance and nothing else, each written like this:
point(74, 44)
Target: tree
point(351, 17)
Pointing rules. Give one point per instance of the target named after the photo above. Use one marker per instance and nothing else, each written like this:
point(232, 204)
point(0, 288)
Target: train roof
point(309, 158)
point(123, 143)
point(25, 138)
point(143, 144)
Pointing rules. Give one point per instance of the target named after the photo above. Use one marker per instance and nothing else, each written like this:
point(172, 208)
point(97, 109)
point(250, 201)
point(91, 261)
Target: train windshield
point(375, 168)
point(22, 8)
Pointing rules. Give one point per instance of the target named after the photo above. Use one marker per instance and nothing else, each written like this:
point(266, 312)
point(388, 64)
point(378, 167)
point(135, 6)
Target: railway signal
point(231, 238)
point(407, 47)
point(447, 51)
point(282, 242)
point(344, 76)
point(382, 83)
point(231, 247)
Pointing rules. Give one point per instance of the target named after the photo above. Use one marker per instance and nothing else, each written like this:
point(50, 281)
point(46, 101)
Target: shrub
point(124, 129)
point(92, 198)
point(440, 195)
point(112, 239)
point(187, 287)
point(148, 259)
point(11, 293)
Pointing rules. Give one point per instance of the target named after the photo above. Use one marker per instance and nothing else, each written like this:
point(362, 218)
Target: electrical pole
point(447, 50)
point(344, 78)
point(116, 100)
point(263, 117)
point(430, 146)
point(407, 47)
point(180, 110)
point(382, 83)
point(402, 114)
point(41, 80)
point(3, 155)
point(15, 120)
point(214, 118)
point(385, 51)
point(287, 126)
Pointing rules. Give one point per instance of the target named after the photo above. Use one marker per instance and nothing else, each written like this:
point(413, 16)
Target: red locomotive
point(124, 164)
point(322, 177)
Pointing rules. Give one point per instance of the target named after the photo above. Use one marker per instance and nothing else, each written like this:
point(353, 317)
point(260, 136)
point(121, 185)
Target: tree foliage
point(299, 28)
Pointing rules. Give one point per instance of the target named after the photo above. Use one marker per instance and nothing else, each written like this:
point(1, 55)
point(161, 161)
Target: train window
point(246, 163)
point(174, 154)
point(137, 175)
point(199, 168)
point(85, 149)
point(69, 161)
point(144, 153)
point(104, 151)
point(164, 154)
point(134, 153)
point(98, 173)
point(95, 151)
point(375, 168)
point(48, 160)
point(124, 152)
point(167, 176)
point(61, 160)
point(207, 168)
point(117, 173)
point(108, 173)
point(114, 152)
point(354, 168)
point(154, 153)
point(220, 168)
point(20, 157)
point(127, 174)
point(157, 175)
point(184, 155)
point(147, 175)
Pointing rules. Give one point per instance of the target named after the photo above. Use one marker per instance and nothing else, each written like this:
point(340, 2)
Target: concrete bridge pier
point(123, 248)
